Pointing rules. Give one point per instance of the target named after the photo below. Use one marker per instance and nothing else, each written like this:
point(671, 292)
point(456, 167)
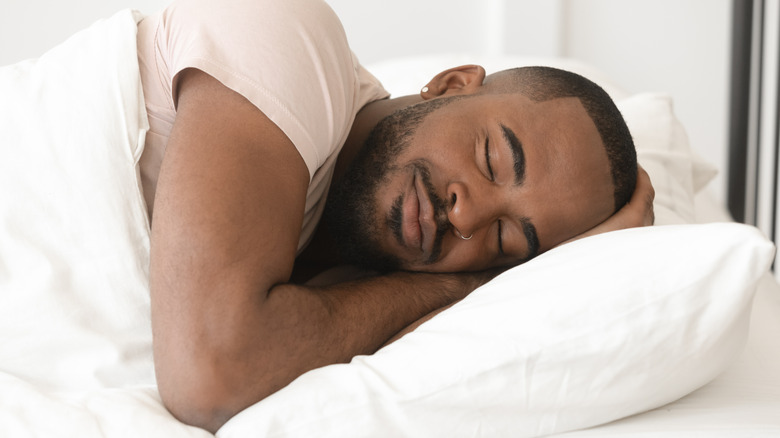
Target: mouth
point(416, 216)
point(411, 229)
point(426, 217)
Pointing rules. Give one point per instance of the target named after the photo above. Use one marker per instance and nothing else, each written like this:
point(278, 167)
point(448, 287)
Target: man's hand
point(637, 213)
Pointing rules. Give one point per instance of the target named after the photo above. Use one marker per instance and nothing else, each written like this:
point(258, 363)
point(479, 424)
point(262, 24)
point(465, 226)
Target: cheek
point(459, 256)
point(388, 189)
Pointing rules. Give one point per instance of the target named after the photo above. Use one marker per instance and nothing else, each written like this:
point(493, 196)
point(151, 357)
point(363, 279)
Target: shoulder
point(290, 58)
point(260, 48)
point(254, 17)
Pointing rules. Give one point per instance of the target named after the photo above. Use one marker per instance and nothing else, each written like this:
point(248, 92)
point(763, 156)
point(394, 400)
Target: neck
point(365, 120)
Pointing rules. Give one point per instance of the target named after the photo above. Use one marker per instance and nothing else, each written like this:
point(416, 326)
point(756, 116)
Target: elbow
point(199, 401)
point(195, 409)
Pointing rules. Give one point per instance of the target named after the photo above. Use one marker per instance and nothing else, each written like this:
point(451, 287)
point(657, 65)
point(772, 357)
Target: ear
point(466, 79)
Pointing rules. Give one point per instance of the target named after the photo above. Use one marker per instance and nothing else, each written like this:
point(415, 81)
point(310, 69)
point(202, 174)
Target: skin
point(565, 187)
point(229, 327)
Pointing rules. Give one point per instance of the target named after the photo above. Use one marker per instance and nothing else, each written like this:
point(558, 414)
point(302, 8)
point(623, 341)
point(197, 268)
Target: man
point(250, 103)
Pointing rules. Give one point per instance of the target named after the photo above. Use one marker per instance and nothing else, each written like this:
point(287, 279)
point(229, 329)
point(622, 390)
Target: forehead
point(563, 129)
point(561, 126)
point(548, 113)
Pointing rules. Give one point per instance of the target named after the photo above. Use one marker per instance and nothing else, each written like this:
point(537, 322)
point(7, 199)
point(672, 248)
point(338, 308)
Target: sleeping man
point(256, 106)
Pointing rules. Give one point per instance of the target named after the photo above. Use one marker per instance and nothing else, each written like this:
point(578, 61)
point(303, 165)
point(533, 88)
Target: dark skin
point(228, 333)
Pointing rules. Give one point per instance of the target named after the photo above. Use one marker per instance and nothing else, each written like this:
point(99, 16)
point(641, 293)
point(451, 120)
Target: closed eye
point(487, 160)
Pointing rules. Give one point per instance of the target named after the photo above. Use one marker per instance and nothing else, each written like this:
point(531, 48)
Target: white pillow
point(74, 233)
point(677, 173)
point(586, 333)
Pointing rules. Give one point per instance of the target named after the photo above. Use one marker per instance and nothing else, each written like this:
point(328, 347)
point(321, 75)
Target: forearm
point(230, 362)
point(362, 315)
point(334, 324)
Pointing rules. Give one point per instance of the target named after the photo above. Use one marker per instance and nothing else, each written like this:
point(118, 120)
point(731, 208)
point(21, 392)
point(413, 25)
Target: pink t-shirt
point(290, 58)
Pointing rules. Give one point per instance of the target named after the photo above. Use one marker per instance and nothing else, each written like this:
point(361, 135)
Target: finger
point(644, 186)
point(643, 178)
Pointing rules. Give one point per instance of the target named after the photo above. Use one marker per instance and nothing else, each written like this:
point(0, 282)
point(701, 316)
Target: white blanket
point(75, 333)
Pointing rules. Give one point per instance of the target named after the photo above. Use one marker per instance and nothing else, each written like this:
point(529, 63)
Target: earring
point(424, 89)
point(462, 236)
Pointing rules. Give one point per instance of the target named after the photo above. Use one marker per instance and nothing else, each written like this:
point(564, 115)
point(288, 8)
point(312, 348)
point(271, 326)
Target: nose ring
point(462, 236)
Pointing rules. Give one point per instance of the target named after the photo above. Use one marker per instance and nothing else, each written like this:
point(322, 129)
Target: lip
point(411, 228)
point(426, 217)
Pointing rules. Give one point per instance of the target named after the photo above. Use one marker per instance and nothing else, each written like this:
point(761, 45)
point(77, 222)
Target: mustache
point(440, 207)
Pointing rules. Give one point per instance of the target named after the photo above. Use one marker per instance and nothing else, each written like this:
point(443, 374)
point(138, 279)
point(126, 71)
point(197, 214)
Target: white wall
point(382, 29)
point(681, 47)
point(30, 27)
point(675, 46)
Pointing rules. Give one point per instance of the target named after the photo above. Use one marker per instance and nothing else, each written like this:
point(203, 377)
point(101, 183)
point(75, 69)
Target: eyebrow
point(517, 154)
point(533, 238)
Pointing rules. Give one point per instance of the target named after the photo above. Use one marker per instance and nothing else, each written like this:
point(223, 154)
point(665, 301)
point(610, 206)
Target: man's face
point(516, 177)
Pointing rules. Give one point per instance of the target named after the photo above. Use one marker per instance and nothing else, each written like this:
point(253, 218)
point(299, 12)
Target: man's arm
point(228, 328)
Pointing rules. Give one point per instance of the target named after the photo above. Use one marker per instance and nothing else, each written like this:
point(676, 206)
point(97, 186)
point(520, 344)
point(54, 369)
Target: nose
point(469, 209)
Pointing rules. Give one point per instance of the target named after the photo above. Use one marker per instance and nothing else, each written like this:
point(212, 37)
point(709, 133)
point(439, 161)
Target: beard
point(352, 214)
point(351, 210)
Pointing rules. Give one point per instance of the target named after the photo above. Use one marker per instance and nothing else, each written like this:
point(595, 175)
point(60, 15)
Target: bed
point(665, 331)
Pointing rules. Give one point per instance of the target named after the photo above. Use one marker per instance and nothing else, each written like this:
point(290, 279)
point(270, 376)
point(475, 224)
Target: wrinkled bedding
point(75, 331)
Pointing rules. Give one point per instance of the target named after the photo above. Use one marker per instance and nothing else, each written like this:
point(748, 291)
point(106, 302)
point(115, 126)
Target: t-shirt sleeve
point(290, 58)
